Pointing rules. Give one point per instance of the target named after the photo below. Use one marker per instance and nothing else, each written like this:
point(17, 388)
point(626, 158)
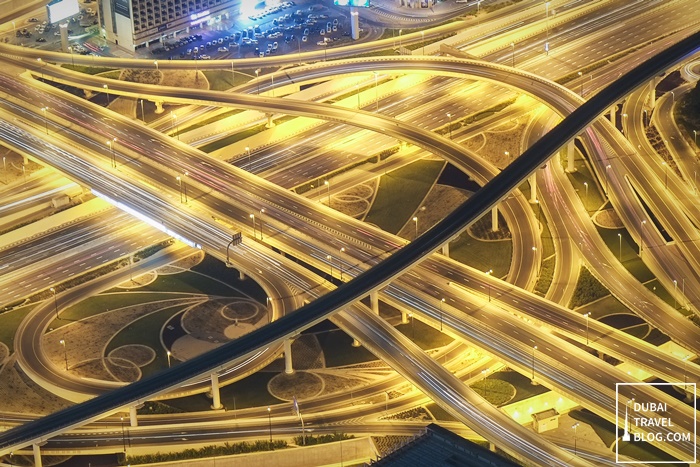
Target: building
point(131, 24)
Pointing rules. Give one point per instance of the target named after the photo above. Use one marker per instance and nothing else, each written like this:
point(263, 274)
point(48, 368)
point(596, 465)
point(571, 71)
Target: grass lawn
point(524, 389)
point(590, 197)
point(234, 138)
point(629, 252)
point(97, 304)
point(251, 391)
point(338, 350)
point(483, 255)
point(211, 266)
point(9, 322)
point(401, 193)
point(221, 80)
point(423, 335)
point(146, 331)
point(191, 282)
point(439, 413)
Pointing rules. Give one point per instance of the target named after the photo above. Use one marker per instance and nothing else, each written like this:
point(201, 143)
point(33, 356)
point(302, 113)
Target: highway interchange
point(420, 247)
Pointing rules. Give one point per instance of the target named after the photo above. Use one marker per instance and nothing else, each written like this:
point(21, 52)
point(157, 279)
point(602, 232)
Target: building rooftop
point(440, 447)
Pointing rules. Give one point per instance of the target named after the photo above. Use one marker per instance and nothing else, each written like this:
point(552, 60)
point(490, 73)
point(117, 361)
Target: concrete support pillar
point(215, 394)
point(133, 420)
point(37, 455)
point(446, 249)
point(494, 219)
point(570, 157)
point(288, 368)
point(533, 187)
point(159, 106)
point(404, 317)
point(241, 275)
point(374, 301)
point(25, 160)
point(652, 92)
point(356, 343)
point(354, 23)
point(270, 123)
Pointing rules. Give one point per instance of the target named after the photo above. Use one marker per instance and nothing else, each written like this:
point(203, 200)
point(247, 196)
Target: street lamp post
point(262, 211)
point(252, 219)
point(330, 264)
point(675, 291)
point(580, 78)
point(488, 273)
point(695, 137)
point(449, 115)
point(257, 75)
point(575, 427)
point(342, 250)
point(4, 167)
point(110, 143)
point(641, 237)
point(587, 315)
point(546, 44)
point(168, 353)
point(512, 54)
point(143, 114)
point(400, 31)
point(46, 122)
point(65, 352)
point(173, 118)
point(121, 419)
point(247, 150)
point(422, 40)
point(269, 422)
point(328, 186)
point(607, 182)
point(376, 92)
point(107, 91)
point(179, 184)
point(55, 303)
point(442, 300)
point(415, 221)
point(585, 184)
point(534, 349)
point(155, 62)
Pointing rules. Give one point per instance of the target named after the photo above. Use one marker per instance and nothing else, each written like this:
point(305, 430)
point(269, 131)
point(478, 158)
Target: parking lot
point(284, 28)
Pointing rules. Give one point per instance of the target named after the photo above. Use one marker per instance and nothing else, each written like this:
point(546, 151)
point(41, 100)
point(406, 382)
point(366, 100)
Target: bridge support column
point(404, 317)
point(652, 92)
point(533, 187)
point(288, 368)
point(215, 394)
point(356, 343)
point(133, 420)
point(159, 106)
point(570, 157)
point(446, 249)
point(492, 447)
point(241, 275)
point(37, 455)
point(374, 301)
point(270, 123)
point(25, 160)
point(494, 219)
point(88, 94)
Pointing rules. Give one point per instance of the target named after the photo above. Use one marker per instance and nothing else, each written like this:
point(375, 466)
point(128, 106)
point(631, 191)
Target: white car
point(222, 49)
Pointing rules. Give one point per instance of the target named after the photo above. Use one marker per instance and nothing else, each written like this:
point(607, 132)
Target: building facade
point(131, 24)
